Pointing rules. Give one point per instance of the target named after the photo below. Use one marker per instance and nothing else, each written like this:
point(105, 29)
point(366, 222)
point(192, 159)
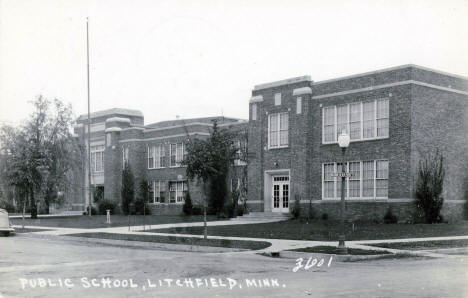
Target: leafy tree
point(208, 161)
point(40, 153)
point(188, 207)
point(128, 189)
point(429, 187)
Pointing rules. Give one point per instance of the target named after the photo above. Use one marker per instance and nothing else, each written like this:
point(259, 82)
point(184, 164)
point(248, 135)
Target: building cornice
point(282, 82)
point(165, 137)
point(371, 88)
point(302, 91)
point(118, 119)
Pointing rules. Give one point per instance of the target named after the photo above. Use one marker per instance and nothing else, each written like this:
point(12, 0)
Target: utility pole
point(90, 191)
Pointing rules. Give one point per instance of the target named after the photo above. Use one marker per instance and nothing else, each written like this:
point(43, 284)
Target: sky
point(202, 58)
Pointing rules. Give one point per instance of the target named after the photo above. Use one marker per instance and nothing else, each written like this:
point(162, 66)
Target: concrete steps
point(262, 216)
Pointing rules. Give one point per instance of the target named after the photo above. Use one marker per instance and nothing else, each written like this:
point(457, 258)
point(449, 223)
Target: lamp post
point(343, 142)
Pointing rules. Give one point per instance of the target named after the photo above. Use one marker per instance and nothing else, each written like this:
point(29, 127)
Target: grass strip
point(242, 244)
point(332, 250)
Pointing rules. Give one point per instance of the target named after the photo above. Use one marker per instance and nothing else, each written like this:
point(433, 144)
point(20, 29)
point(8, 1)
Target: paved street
point(71, 266)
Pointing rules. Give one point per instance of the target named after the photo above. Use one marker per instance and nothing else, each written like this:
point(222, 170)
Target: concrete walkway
point(277, 245)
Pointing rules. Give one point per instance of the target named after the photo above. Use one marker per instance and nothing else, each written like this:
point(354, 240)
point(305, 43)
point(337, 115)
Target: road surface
point(58, 268)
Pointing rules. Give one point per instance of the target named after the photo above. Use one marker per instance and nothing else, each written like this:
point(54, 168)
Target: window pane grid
point(278, 135)
point(362, 120)
point(372, 174)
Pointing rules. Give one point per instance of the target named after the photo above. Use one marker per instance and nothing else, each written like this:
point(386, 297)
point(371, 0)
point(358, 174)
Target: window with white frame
point(278, 130)
point(328, 180)
point(235, 184)
point(254, 111)
point(177, 191)
point(369, 180)
point(177, 153)
point(124, 156)
point(382, 118)
point(159, 192)
point(341, 119)
point(381, 182)
point(299, 105)
point(277, 99)
point(329, 124)
point(97, 159)
point(362, 120)
point(151, 155)
point(240, 149)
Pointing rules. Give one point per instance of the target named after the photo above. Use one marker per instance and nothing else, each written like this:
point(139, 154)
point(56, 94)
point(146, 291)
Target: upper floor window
point(278, 126)
point(177, 151)
point(277, 99)
point(156, 157)
point(362, 120)
point(124, 156)
point(299, 105)
point(254, 111)
point(240, 153)
point(97, 159)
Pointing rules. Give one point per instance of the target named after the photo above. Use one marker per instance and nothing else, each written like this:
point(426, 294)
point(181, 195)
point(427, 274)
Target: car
point(5, 227)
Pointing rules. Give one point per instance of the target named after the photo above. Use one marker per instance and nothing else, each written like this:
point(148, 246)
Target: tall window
point(341, 119)
point(254, 111)
point(277, 99)
point(151, 154)
point(362, 120)
point(355, 121)
point(299, 105)
point(177, 154)
point(328, 180)
point(97, 159)
point(159, 192)
point(382, 118)
point(124, 156)
point(240, 149)
point(368, 119)
point(369, 180)
point(381, 187)
point(177, 191)
point(329, 124)
point(278, 130)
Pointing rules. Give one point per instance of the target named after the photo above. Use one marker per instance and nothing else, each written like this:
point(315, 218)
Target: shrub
point(197, 210)
point(138, 205)
point(93, 211)
point(228, 210)
point(240, 210)
point(465, 211)
point(429, 187)
point(8, 206)
point(296, 211)
point(188, 207)
point(106, 205)
point(389, 217)
point(325, 216)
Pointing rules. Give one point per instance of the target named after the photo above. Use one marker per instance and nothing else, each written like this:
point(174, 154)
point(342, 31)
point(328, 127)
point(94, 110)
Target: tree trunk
point(33, 203)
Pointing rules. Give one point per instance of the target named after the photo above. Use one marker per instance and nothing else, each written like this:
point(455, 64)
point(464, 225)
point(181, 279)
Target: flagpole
point(90, 191)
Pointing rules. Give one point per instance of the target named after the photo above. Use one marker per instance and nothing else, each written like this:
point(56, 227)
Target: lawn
point(99, 221)
point(252, 245)
point(332, 250)
point(328, 230)
point(421, 245)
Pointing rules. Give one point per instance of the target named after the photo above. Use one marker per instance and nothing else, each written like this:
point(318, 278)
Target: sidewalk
point(277, 245)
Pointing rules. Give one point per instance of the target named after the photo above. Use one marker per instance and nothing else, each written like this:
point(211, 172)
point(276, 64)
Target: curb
point(286, 254)
point(141, 244)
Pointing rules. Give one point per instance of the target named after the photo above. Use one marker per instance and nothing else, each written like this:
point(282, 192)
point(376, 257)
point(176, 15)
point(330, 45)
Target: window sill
point(357, 141)
point(357, 199)
point(279, 147)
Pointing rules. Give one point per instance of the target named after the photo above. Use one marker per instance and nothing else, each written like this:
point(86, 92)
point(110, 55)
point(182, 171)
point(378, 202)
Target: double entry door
point(280, 194)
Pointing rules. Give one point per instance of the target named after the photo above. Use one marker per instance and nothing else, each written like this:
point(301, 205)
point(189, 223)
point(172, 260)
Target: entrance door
point(280, 194)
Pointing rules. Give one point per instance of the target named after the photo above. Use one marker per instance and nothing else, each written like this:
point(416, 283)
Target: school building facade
point(394, 117)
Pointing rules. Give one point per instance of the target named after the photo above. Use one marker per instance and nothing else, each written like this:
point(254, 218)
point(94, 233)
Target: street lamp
point(343, 142)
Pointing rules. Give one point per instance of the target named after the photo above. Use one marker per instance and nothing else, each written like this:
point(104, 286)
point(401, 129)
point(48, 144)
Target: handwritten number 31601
point(311, 262)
